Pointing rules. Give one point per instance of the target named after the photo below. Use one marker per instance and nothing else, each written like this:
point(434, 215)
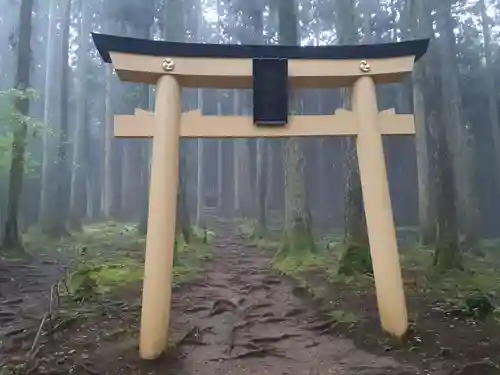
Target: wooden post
point(157, 285)
point(378, 210)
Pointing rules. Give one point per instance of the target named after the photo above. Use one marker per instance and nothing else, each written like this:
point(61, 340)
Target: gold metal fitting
point(168, 65)
point(364, 66)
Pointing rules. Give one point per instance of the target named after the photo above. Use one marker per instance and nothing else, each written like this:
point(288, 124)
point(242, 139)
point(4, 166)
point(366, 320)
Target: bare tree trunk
point(131, 185)
point(78, 178)
point(111, 156)
point(60, 200)
point(12, 238)
point(220, 174)
point(461, 139)
point(262, 176)
point(51, 95)
point(298, 236)
point(492, 92)
point(355, 222)
point(200, 180)
point(426, 193)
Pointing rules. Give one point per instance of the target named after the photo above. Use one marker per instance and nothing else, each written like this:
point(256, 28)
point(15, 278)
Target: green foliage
point(480, 306)
point(299, 239)
point(355, 259)
point(12, 120)
point(205, 236)
point(344, 317)
point(267, 245)
point(296, 265)
point(109, 256)
point(247, 228)
point(89, 280)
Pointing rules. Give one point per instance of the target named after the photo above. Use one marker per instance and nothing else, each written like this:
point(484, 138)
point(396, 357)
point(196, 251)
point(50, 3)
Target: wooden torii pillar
point(269, 70)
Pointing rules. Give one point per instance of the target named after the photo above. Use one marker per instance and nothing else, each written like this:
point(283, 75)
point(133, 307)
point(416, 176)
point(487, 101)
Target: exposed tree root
point(196, 309)
point(258, 352)
point(271, 319)
point(194, 336)
point(270, 339)
point(221, 306)
point(321, 326)
point(294, 312)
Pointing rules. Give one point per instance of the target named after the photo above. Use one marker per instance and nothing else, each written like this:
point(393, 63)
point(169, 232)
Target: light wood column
point(157, 285)
point(378, 210)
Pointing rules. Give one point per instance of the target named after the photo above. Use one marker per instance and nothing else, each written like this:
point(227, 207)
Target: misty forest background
point(61, 168)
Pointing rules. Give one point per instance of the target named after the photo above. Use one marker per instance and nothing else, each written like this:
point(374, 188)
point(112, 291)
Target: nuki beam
point(269, 71)
point(195, 125)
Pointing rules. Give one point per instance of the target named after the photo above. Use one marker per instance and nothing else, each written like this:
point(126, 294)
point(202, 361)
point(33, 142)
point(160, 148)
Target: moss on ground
point(247, 228)
point(351, 266)
point(109, 256)
point(355, 259)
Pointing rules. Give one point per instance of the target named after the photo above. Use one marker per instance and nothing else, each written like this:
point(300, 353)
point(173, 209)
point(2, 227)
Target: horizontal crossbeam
point(195, 125)
point(237, 73)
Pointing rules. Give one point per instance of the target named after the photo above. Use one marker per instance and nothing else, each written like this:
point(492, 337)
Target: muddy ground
point(238, 317)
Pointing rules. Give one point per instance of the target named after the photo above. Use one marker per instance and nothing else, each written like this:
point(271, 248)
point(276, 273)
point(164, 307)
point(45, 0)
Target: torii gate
point(269, 70)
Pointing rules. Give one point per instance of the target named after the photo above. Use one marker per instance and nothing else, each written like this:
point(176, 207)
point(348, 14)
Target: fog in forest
point(272, 270)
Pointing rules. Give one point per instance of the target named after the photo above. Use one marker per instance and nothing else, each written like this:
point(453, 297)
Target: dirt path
point(245, 320)
point(238, 318)
point(25, 289)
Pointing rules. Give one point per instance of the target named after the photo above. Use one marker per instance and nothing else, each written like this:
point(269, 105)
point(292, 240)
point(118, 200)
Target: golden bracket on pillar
point(364, 66)
point(168, 65)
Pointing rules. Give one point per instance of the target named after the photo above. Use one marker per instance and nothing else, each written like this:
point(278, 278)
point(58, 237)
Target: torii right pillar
point(378, 209)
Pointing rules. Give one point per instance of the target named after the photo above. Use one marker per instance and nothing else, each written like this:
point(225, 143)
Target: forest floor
point(232, 313)
point(447, 332)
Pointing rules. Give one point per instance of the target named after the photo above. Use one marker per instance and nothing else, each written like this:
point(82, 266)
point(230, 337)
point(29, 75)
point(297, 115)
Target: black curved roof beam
point(112, 43)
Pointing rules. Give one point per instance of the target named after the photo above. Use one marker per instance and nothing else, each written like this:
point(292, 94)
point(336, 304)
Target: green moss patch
point(355, 259)
point(109, 256)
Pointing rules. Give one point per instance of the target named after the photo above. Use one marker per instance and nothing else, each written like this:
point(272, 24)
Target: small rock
point(445, 352)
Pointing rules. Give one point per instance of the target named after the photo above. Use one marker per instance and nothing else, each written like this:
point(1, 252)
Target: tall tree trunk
point(60, 200)
point(51, 96)
point(355, 222)
point(255, 19)
point(426, 195)
point(220, 167)
point(12, 238)
point(298, 232)
point(110, 200)
point(131, 185)
point(461, 140)
point(175, 30)
point(200, 172)
point(491, 90)
point(447, 251)
point(262, 175)
point(78, 201)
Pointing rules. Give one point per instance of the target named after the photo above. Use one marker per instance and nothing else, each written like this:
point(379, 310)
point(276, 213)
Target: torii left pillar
point(157, 292)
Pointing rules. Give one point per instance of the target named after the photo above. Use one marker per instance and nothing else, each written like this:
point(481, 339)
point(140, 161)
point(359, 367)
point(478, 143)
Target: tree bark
point(12, 238)
point(459, 131)
point(51, 95)
point(355, 222)
point(298, 237)
point(489, 79)
point(78, 200)
point(426, 194)
point(60, 200)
